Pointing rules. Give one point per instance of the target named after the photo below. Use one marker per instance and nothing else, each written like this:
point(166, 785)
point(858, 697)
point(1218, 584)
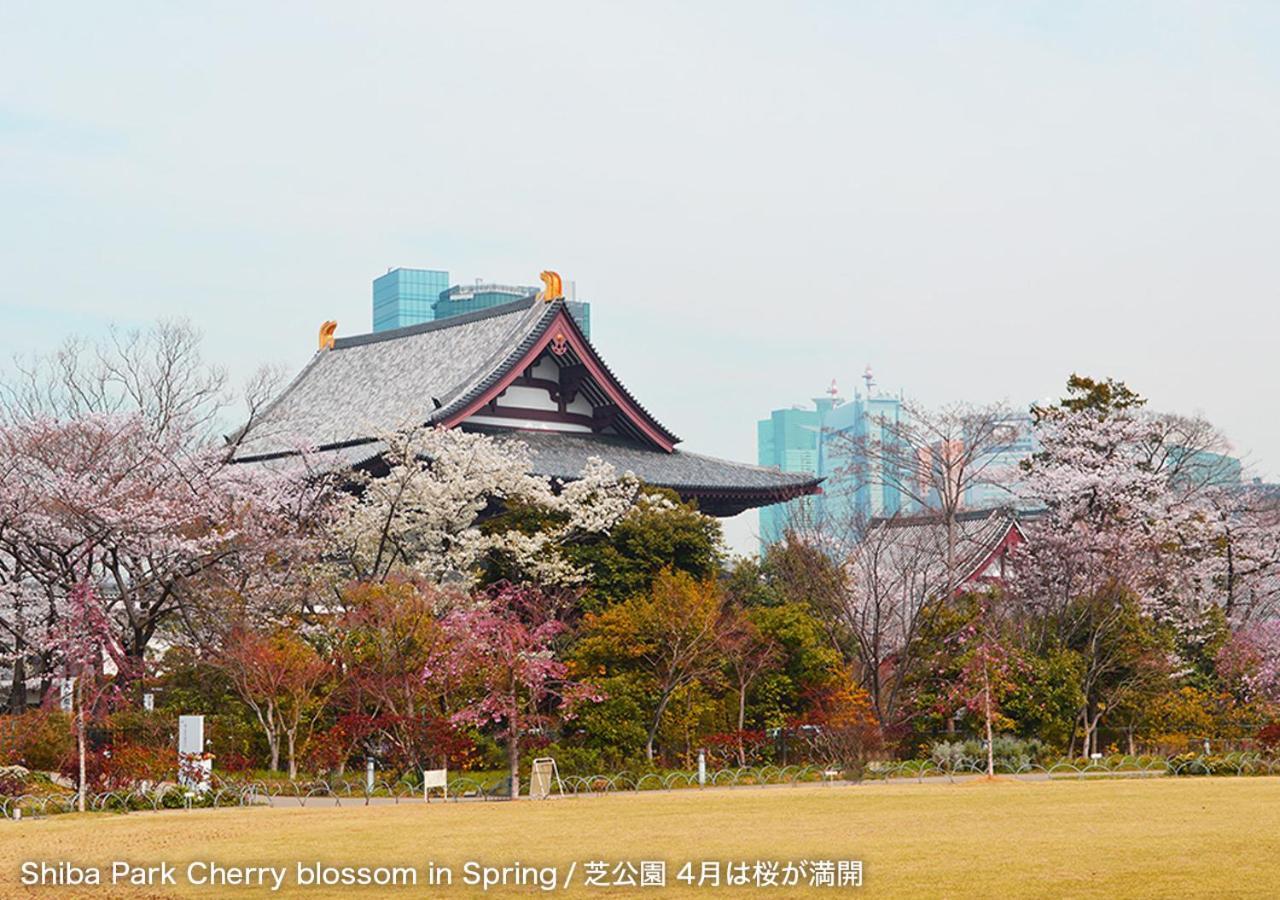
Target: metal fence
point(462, 788)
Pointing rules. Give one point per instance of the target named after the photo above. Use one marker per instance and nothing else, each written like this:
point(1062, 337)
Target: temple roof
point(919, 542)
point(452, 373)
point(370, 384)
point(721, 486)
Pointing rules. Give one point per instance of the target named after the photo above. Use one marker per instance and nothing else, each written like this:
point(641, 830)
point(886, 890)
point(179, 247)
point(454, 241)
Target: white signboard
point(542, 777)
point(190, 734)
point(435, 778)
point(66, 694)
point(194, 771)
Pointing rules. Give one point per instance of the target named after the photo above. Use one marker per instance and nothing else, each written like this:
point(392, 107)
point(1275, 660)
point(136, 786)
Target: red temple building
point(918, 544)
point(523, 369)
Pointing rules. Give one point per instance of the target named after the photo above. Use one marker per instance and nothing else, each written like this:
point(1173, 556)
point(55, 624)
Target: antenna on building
point(834, 392)
point(869, 377)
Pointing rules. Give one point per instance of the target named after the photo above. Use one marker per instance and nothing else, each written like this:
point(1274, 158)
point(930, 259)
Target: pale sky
point(976, 199)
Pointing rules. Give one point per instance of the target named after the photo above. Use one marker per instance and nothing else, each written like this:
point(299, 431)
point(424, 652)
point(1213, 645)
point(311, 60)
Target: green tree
point(667, 636)
point(1046, 700)
point(625, 560)
point(805, 662)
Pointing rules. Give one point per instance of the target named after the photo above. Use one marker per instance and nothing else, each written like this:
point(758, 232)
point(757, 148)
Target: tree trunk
point(80, 741)
point(513, 751)
point(17, 702)
point(742, 723)
point(986, 702)
point(292, 736)
point(653, 725)
point(951, 551)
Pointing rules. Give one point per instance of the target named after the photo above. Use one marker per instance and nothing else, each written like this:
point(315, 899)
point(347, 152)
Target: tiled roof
point(367, 386)
point(563, 455)
point(921, 540)
point(390, 380)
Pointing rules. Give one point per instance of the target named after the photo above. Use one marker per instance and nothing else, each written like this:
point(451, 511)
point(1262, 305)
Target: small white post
point(368, 774)
point(702, 767)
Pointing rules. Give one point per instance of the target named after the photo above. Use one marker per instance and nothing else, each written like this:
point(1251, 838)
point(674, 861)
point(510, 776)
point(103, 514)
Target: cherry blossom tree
point(505, 648)
point(157, 374)
point(934, 458)
point(1130, 499)
point(877, 595)
point(105, 500)
point(1128, 539)
point(113, 474)
point(88, 647)
point(1247, 547)
point(1251, 660)
point(423, 517)
point(986, 674)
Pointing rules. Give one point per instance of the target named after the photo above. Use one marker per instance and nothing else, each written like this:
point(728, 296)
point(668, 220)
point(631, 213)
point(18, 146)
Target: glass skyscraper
point(465, 298)
point(831, 440)
point(407, 297)
point(412, 296)
point(828, 441)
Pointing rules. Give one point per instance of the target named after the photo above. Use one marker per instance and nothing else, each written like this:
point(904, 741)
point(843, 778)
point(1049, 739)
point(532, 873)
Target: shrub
point(585, 761)
point(1269, 737)
point(130, 763)
point(13, 780)
point(37, 739)
point(1009, 753)
point(840, 727)
point(948, 755)
point(722, 748)
point(95, 768)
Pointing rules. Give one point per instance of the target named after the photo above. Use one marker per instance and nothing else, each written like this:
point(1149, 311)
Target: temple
point(523, 369)
point(914, 547)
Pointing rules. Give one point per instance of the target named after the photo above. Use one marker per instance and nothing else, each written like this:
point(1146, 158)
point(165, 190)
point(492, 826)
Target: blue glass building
point(465, 298)
point(827, 441)
point(407, 297)
point(412, 296)
point(830, 441)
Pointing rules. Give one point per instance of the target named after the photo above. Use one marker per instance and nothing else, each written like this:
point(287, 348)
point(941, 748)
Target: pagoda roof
point(722, 487)
point(334, 413)
point(427, 374)
point(919, 541)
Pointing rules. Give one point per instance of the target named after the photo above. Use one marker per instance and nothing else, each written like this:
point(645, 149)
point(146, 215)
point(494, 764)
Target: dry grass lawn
point(1132, 838)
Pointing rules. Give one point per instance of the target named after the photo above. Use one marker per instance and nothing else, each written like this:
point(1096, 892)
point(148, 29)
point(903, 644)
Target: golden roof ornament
point(326, 334)
point(552, 289)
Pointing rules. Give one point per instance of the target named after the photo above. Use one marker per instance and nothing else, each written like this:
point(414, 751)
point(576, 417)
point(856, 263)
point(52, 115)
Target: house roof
point(921, 541)
point(722, 487)
point(333, 414)
point(402, 378)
